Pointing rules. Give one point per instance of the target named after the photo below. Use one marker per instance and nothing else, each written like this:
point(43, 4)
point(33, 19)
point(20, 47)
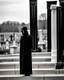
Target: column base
point(48, 50)
point(59, 65)
point(53, 56)
point(37, 50)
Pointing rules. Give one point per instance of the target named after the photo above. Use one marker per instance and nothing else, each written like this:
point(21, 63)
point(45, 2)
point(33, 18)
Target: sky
point(18, 10)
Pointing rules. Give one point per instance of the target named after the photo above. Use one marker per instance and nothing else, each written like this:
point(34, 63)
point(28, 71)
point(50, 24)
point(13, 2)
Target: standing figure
point(25, 53)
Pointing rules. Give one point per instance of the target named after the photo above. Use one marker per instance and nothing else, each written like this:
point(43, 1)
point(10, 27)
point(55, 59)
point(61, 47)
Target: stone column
point(62, 31)
point(33, 23)
point(40, 42)
point(40, 36)
point(53, 33)
point(49, 3)
point(60, 34)
point(7, 44)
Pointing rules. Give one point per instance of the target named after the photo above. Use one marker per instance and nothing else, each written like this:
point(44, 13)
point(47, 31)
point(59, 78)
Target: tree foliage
point(9, 26)
point(14, 26)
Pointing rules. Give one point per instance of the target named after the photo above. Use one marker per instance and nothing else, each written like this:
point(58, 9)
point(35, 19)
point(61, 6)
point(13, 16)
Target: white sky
point(18, 10)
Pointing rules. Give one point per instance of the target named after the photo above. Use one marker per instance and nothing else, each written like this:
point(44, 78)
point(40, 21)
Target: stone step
point(43, 64)
point(33, 54)
point(33, 77)
point(4, 59)
point(34, 71)
point(41, 59)
point(15, 65)
point(41, 54)
point(34, 59)
point(9, 55)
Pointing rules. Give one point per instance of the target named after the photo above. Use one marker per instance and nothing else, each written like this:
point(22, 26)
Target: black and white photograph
point(31, 40)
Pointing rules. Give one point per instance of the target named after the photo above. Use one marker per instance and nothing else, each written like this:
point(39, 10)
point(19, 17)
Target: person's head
point(24, 30)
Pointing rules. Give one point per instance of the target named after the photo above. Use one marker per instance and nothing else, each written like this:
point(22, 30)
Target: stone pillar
point(62, 31)
point(7, 44)
point(40, 36)
point(60, 54)
point(33, 23)
point(53, 33)
point(49, 3)
point(40, 41)
point(60, 41)
point(2, 37)
point(59, 34)
point(13, 48)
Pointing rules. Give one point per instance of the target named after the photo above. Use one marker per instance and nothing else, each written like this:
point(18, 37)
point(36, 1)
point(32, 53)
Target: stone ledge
point(17, 57)
point(34, 63)
point(17, 54)
point(34, 75)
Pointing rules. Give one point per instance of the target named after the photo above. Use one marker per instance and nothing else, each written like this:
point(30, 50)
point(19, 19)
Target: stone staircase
point(42, 67)
point(33, 77)
point(41, 63)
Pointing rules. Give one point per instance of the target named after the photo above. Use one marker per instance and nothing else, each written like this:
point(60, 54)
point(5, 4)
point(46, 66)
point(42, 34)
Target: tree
point(9, 27)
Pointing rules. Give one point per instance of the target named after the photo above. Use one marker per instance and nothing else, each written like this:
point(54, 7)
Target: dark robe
point(25, 55)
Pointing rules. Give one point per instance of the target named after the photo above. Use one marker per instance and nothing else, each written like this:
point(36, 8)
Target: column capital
point(53, 7)
point(49, 3)
point(33, 1)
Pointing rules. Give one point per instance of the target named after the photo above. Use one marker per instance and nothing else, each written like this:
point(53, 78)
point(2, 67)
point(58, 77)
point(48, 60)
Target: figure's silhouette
point(25, 53)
